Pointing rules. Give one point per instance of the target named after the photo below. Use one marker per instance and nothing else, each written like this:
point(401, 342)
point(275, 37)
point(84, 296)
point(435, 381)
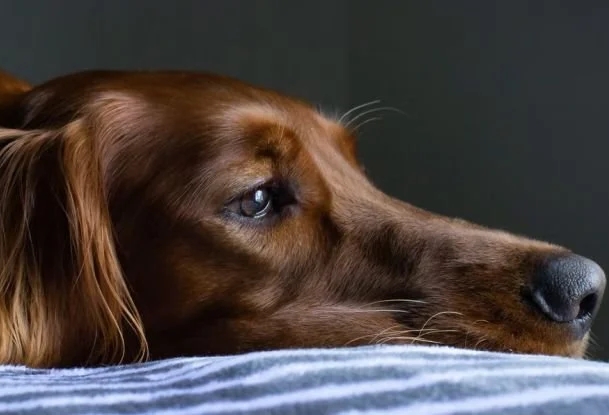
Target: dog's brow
point(279, 143)
point(251, 113)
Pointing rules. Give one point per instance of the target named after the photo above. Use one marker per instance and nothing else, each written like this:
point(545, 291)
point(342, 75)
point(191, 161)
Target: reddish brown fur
point(128, 176)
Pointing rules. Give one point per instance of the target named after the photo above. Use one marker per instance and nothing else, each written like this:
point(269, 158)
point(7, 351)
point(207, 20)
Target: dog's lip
point(538, 334)
point(559, 339)
point(566, 349)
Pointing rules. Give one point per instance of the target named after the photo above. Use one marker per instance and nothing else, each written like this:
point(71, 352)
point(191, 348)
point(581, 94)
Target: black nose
point(569, 288)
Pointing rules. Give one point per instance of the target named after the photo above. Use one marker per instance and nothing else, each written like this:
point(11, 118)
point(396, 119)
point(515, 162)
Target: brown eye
point(256, 204)
point(263, 204)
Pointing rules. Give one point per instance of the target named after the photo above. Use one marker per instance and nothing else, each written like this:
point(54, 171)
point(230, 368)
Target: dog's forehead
point(302, 120)
point(282, 128)
point(229, 127)
point(217, 109)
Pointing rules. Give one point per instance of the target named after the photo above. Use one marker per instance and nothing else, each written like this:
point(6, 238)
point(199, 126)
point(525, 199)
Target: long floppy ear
point(63, 299)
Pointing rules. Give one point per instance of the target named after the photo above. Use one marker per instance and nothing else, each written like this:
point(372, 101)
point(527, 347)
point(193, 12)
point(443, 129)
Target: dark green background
point(507, 101)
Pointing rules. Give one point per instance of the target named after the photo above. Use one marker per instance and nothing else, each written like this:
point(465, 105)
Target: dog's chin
point(566, 349)
point(508, 343)
point(528, 345)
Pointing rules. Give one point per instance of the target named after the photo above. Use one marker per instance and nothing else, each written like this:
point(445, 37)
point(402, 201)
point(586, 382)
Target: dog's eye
point(268, 201)
point(256, 203)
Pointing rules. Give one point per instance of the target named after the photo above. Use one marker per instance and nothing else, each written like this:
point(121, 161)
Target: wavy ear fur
point(63, 298)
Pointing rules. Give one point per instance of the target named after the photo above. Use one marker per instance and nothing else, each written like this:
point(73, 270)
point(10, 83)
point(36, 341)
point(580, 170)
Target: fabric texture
point(364, 380)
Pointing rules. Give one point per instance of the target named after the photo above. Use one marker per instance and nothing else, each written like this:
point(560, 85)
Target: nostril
point(587, 306)
point(568, 288)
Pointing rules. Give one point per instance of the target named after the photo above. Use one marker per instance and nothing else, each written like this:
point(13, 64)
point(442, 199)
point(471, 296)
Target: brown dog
point(184, 213)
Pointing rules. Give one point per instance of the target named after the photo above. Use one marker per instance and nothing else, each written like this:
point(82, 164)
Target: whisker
point(370, 111)
point(399, 335)
point(480, 342)
point(370, 310)
point(395, 300)
point(389, 332)
point(467, 332)
point(412, 339)
point(374, 335)
point(593, 346)
point(367, 104)
point(356, 339)
point(382, 332)
point(389, 338)
point(366, 122)
point(430, 331)
point(439, 314)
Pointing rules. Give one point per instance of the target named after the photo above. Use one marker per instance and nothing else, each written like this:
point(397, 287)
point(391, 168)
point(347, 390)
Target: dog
point(152, 214)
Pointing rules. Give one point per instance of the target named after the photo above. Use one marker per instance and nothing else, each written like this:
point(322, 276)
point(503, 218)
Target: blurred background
point(507, 102)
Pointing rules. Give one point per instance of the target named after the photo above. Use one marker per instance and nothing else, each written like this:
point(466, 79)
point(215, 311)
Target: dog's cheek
point(373, 263)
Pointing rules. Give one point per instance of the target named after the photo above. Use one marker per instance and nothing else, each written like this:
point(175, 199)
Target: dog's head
point(187, 213)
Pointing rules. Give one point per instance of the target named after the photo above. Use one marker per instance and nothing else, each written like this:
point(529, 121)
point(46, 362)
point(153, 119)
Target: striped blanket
point(366, 380)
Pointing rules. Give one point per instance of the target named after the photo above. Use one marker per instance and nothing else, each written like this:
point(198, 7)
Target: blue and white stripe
point(365, 380)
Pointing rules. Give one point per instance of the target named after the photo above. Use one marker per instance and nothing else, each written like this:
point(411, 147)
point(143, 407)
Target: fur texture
point(125, 232)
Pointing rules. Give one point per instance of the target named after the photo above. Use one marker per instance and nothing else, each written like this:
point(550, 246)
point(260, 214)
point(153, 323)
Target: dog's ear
point(10, 87)
point(63, 299)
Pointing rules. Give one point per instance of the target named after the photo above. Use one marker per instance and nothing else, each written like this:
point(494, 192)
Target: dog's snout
point(568, 289)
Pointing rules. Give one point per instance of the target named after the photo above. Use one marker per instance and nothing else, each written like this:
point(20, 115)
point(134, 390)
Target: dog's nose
point(569, 288)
